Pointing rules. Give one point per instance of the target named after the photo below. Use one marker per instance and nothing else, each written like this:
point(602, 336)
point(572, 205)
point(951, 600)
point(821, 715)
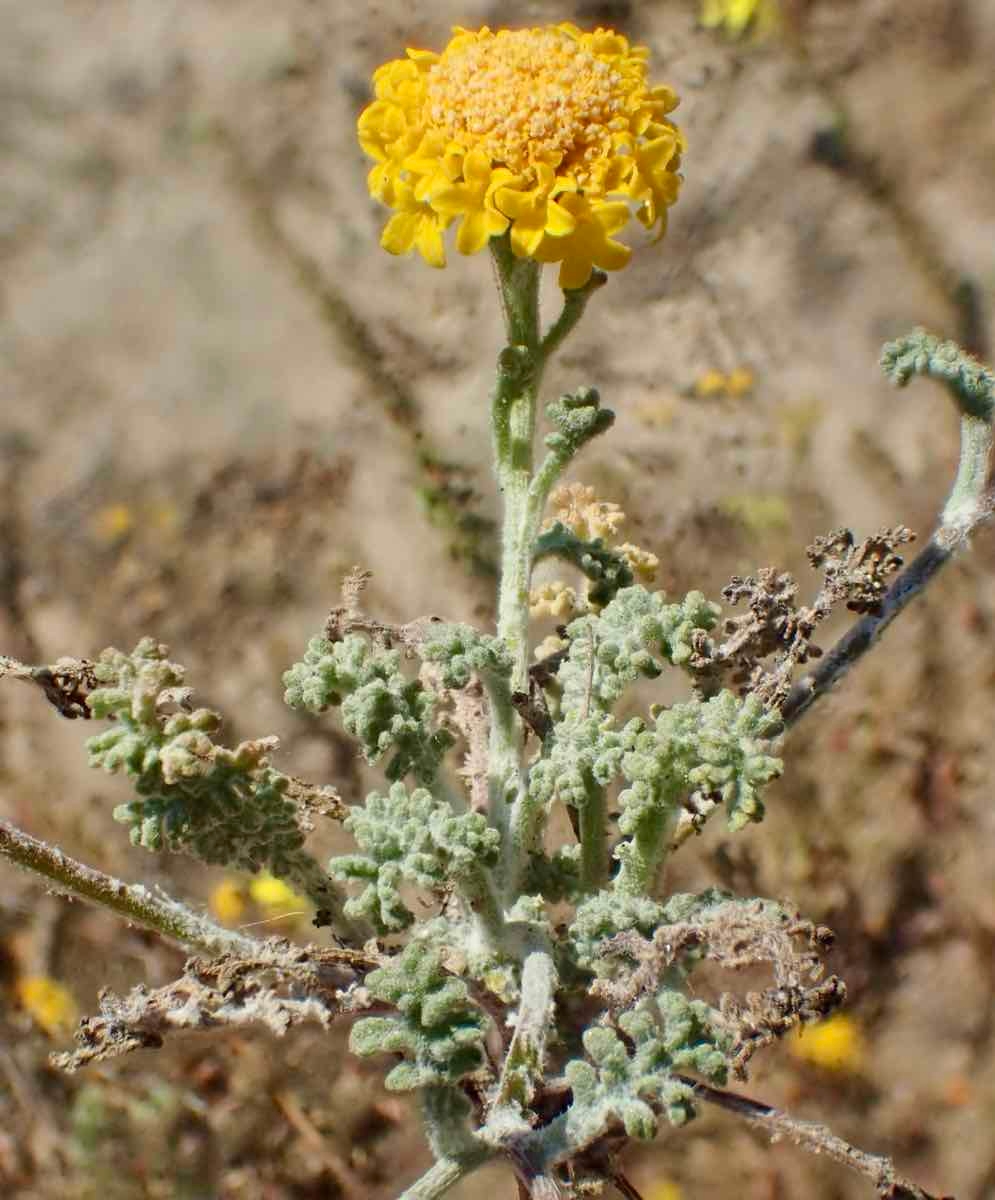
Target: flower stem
point(525, 492)
point(514, 423)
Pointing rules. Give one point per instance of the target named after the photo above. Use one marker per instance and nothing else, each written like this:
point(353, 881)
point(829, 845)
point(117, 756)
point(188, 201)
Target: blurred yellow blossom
point(713, 383)
point(837, 1044)
point(228, 901)
point(736, 16)
point(113, 522)
point(739, 382)
point(551, 135)
point(663, 1189)
point(49, 1003)
point(276, 897)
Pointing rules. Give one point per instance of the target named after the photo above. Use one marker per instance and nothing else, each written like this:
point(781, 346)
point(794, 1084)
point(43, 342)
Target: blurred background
point(217, 394)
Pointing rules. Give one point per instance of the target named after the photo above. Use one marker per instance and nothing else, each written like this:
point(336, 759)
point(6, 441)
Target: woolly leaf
point(437, 1025)
point(630, 639)
point(223, 806)
point(382, 708)
point(411, 838)
point(668, 1035)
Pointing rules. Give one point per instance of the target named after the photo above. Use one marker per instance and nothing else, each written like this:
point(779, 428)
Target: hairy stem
point(972, 388)
point(440, 1178)
point(525, 1060)
point(814, 1137)
point(513, 413)
point(458, 1153)
point(574, 304)
point(857, 641)
point(643, 854)
point(593, 821)
point(174, 921)
point(525, 492)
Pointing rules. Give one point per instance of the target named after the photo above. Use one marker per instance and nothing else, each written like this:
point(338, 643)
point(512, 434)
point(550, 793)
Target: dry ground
point(218, 394)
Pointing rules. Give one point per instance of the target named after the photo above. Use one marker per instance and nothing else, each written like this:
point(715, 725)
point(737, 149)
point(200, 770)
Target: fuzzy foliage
point(578, 417)
point(583, 757)
point(436, 1023)
point(606, 569)
point(718, 747)
point(411, 838)
point(463, 652)
point(224, 806)
point(629, 640)
point(605, 915)
point(920, 353)
point(384, 710)
point(668, 1035)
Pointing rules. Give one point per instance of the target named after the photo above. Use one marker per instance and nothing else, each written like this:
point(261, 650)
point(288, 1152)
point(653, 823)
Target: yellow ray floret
point(550, 134)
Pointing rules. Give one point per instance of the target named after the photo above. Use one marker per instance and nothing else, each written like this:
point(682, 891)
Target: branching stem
point(814, 1137)
point(174, 921)
point(972, 388)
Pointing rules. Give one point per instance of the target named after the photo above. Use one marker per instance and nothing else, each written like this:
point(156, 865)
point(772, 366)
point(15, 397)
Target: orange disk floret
point(550, 134)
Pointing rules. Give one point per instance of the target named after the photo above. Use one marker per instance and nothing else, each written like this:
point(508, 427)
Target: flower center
point(525, 96)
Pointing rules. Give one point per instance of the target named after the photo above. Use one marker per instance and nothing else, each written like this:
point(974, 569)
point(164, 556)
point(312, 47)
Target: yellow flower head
point(552, 135)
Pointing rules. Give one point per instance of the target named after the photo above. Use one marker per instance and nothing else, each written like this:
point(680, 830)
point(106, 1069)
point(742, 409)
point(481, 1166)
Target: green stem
point(593, 818)
point(459, 1153)
point(174, 921)
point(514, 412)
point(525, 1060)
point(574, 304)
point(643, 855)
point(972, 388)
point(525, 492)
point(440, 1178)
point(514, 423)
point(967, 503)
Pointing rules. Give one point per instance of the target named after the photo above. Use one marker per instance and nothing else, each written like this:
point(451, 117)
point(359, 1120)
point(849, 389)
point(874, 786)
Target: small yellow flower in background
point(658, 413)
point(739, 382)
point(553, 600)
point(228, 901)
point(576, 506)
point(663, 1189)
point(835, 1044)
point(165, 517)
point(276, 897)
point(717, 383)
point(760, 512)
point(550, 134)
point(113, 522)
point(49, 1004)
point(736, 16)
point(712, 383)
